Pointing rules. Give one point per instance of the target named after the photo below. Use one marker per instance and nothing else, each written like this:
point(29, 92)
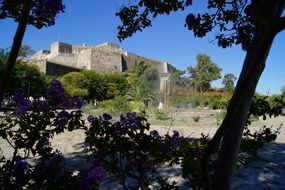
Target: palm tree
point(139, 93)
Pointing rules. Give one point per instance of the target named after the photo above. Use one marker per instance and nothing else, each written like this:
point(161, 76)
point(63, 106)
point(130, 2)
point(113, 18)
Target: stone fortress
point(107, 57)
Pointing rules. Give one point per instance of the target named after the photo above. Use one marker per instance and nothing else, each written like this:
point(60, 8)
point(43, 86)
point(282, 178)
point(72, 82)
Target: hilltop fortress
point(104, 58)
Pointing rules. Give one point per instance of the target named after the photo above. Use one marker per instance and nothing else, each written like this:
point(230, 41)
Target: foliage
point(160, 114)
point(235, 22)
point(28, 131)
point(191, 151)
point(96, 85)
point(139, 94)
point(177, 79)
point(116, 84)
point(228, 81)
point(28, 77)
point(253, 141)
point(25, 51)
point(116, 106)
point(127, 150)
point(43, 13)
point(4, 53)
point(214, 99)
point(145, 75)
point(204, 73)
point(261, 107)
point(123, 149)
point(75, 84)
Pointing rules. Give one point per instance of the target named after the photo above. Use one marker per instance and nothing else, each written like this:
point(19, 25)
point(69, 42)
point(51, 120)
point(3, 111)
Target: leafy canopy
point(204, 73)
point(75, 84)
point(235, 21)
point(42, 14)
point(228, 81)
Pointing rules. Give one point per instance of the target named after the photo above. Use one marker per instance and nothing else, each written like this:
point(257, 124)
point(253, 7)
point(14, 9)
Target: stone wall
point(106, 58)
point(84, 59)
point(66, 59)
point(60, 47)
point(57, 69)
point(132, 59)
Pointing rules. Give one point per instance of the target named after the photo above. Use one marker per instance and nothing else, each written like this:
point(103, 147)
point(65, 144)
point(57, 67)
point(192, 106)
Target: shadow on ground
point(266, 172)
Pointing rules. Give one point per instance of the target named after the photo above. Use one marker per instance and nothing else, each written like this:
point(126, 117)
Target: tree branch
point(280, 24)
point(17, 42)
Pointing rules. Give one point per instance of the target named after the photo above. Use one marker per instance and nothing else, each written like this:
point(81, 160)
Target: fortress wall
point(109, 47)
point(132, 59)
point(66, 59)
point(77, 49)
point(84, 60)
point(59, 69)
point(60, 47)
point(105, 61)
point(40, 54)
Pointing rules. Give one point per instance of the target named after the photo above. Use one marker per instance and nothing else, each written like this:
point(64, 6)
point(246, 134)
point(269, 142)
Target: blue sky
point(93, 22)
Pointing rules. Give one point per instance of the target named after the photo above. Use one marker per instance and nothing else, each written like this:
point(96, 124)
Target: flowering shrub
point(28, 130)
point(125, 150)
point(129, 152)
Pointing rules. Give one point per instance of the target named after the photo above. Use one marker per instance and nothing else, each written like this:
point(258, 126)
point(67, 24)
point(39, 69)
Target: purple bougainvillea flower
point(56, 92)
point(62, 119)
point(77, 103)
point(23, 108)
point(97, 174)
point(39, 105)
point(19, 95)
point(91, 118)
point(106, 117)
point(175, 134)
point(155, 134)
point(175, 140)
point(64, 114)
point(21, 168)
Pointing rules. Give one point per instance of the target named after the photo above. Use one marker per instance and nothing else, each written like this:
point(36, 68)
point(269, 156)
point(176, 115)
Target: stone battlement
point(106, 57)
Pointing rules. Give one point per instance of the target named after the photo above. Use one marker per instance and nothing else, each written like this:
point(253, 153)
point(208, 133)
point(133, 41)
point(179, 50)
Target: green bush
point(117, 106)
point(160, 114)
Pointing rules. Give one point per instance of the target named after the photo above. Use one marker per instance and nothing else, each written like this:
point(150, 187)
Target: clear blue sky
point(93, 22)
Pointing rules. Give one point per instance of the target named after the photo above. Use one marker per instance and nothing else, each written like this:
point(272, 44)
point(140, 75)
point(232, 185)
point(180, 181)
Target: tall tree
point(204, 73)
point(229, 81)
point(251, 24)
point(38, 13)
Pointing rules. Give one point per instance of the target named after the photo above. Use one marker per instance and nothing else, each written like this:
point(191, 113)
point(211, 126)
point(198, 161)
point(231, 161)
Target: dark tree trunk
point(231, 129)
point(236, 116)
point(17, 42)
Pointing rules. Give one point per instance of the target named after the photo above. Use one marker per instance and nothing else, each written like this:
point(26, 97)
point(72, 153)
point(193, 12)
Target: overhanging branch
point(281, 24)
